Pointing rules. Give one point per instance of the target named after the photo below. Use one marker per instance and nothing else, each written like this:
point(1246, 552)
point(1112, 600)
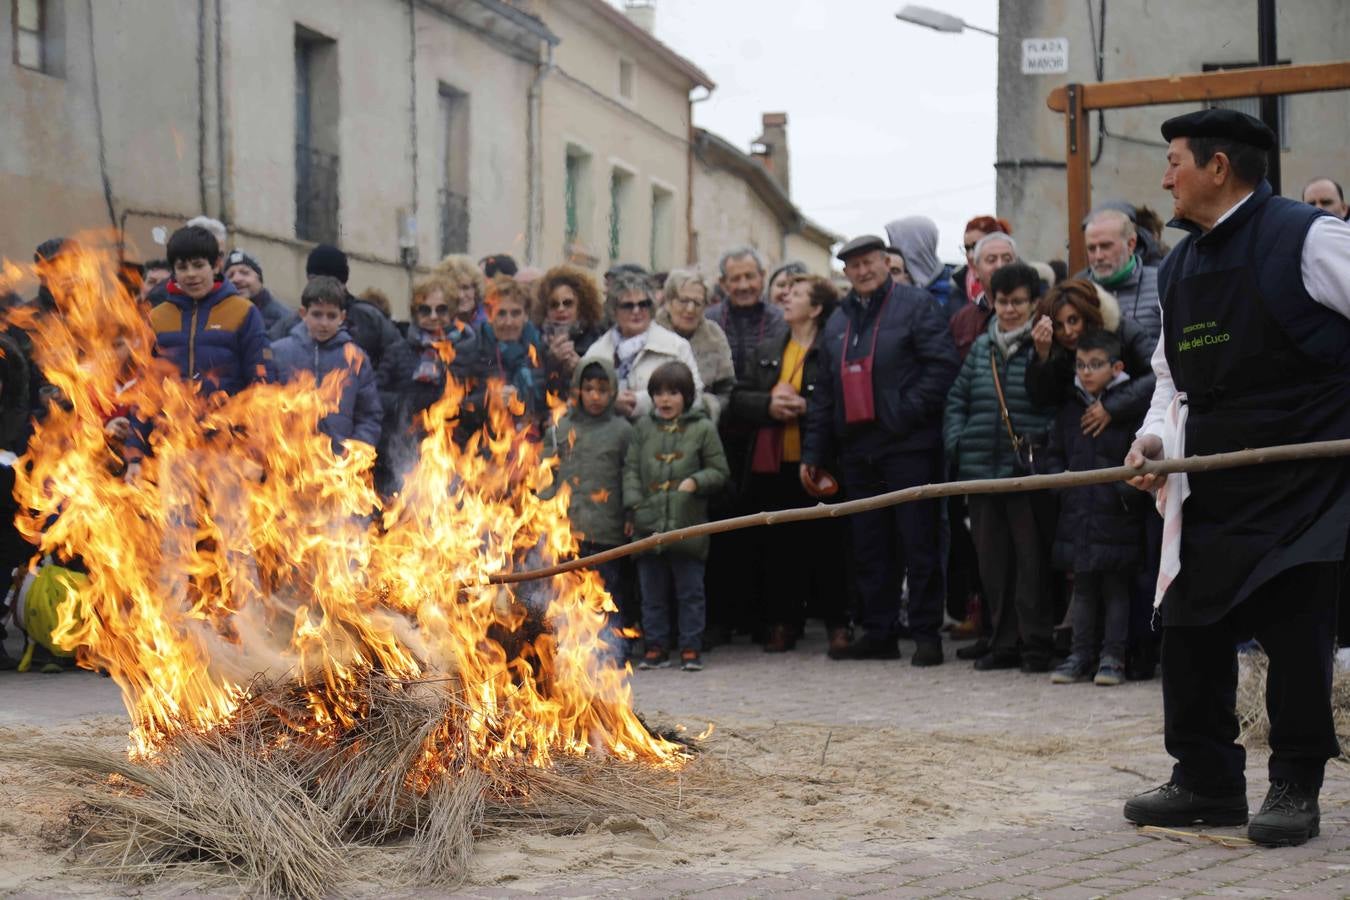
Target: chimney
point(774, 154)
point(641, 13)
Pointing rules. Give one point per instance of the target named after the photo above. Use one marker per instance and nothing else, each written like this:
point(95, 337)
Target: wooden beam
point(1226, 85)
point(1078, 155)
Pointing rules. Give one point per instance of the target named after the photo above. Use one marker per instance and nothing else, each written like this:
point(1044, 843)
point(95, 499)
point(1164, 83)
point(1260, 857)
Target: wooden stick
point(1212, 463)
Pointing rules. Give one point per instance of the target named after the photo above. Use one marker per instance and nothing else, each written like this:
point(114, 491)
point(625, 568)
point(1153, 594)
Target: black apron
point(1249, 385)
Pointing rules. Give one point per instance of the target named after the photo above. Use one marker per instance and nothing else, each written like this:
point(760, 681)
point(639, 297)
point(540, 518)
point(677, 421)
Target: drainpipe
point(691, 250)
point(534, 206)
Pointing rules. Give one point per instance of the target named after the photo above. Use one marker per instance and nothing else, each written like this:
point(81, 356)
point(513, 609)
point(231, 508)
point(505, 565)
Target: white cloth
point(662, 346)
point(1172, 495)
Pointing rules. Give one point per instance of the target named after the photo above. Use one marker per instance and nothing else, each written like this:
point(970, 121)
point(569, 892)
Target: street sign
point(1045, 56)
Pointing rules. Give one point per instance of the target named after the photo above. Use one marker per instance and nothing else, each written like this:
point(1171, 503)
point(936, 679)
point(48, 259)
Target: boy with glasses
point(1100, 533)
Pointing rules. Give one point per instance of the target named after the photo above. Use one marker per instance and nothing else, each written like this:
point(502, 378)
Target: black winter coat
point(750, 398)
point(914, 366)
point(1101, 525)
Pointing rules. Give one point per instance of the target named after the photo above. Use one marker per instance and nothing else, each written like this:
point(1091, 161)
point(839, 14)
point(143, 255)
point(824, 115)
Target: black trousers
point(803, 564)
point(903, 541)
point(1293, 616)
point(1014, 567)
point(963, 575)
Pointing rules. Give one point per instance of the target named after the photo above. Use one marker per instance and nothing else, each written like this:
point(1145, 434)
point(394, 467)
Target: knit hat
point(498, 264)
point(326, 259)
point(239, 257)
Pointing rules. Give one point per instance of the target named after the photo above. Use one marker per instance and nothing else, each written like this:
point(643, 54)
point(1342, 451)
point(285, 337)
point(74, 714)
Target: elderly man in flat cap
point(1255, 351)
point(886, 362)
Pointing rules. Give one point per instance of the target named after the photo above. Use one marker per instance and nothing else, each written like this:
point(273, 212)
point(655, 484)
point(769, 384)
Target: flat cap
point(863, 244)
point(1220, 123)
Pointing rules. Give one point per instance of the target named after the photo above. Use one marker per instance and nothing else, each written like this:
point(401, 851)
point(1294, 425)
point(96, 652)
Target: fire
point(249, 548)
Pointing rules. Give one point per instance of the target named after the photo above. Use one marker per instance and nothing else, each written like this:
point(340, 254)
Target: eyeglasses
point(1011, 301)
point(686, 302)
point(1091, 365)
point(562, 304)
point(432, 310)
point(632, 306)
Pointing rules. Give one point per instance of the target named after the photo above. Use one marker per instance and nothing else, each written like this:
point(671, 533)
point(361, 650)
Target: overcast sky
point(885, 119)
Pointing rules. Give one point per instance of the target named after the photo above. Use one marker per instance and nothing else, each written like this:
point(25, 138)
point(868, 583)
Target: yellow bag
point(39, 601)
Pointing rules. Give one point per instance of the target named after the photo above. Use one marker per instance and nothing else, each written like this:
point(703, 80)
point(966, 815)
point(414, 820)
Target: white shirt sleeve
point(1326, 263)
point(1164, 390)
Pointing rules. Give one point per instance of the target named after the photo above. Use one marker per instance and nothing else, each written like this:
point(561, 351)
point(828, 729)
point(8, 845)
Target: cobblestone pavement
point(1089, 853)
point(1082, 848)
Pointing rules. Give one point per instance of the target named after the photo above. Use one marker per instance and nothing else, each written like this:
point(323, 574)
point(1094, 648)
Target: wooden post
point(1078, 155)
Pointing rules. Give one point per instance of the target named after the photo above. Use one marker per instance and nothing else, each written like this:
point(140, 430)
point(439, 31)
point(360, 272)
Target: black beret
point(1221, 123)
point(862, 244)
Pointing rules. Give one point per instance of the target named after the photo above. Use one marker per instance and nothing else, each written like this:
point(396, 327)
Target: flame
point(250, 547)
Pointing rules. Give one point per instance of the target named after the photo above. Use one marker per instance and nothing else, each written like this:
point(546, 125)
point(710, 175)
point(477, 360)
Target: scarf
point(626, 352)
point(1119, 278)
point(517, 366)
point(1009, 342)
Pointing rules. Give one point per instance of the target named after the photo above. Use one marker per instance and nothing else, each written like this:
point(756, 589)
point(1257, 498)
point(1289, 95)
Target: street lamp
point(937, 20)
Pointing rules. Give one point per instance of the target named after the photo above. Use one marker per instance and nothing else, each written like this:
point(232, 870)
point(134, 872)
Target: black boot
point(1172, 806)
point(998, 659)
point(871, 645)
point(1288, 817)
point(927, 653)
point(973, 651)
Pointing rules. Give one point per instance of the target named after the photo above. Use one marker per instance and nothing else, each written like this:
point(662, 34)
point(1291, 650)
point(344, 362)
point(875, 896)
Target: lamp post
point(938, 20)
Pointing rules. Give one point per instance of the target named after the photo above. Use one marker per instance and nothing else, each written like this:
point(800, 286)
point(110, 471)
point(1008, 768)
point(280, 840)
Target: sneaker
point(1110, 673)
point(1288, 817)
point(690, 661)
point(655, 658)
point(1173, 806)
point(870, 645)
point(927, 653)
point(1073, 670)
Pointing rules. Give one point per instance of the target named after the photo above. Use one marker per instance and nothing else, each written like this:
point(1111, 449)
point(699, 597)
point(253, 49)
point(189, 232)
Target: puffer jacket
point(663, 346)
point(272, 309)
point(1050, 383)
point(973, 431)
point(1100, 526)
point(376, 335)
point(591, 451)
point(358, 416)
point(712, 352)
point(912, 369)
point(662, 454)
point(219, 340)
point(1138, 297)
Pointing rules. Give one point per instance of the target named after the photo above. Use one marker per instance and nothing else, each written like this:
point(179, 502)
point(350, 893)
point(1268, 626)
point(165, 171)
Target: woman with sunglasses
point(569, 313)
point(637, 346)
point(687, 295)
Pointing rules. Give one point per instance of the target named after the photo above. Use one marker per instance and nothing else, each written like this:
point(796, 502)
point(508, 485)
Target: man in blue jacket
point(886, 360)
point(212, 334)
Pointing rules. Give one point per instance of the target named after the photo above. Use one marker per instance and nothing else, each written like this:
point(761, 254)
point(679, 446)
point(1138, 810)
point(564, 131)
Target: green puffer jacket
point(976, 440)
point(661, 455)
point(591, 451)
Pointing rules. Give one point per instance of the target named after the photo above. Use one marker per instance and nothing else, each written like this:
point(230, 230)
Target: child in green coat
point(674, 463)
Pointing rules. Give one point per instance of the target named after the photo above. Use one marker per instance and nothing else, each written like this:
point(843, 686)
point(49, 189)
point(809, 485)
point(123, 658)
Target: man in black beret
point(1255, 351)
point(885, 361)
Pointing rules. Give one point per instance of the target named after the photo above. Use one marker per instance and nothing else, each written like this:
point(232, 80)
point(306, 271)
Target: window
point(1252, 105)
point(37, 35)
point(577, 204)
point(620, 189)
point(316, 137)
point(626, 75)
point(663, 228)
point(454, 169)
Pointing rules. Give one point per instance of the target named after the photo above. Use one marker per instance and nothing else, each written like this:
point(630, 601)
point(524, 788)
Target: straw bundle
point(1253, 668)
point(280, 813)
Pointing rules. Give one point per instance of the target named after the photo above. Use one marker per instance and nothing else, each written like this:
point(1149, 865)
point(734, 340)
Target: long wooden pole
point(1215, 462)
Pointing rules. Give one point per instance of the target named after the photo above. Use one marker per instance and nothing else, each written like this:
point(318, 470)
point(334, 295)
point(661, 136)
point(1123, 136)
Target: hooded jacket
point(712, 352)
point(219, 340)
point(976, 439)
point(591, 451)
point(662, 454)
point(272, 309)
point(376, 335)
point(359, 415)
point(1100, 526)
point(1050, 383)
